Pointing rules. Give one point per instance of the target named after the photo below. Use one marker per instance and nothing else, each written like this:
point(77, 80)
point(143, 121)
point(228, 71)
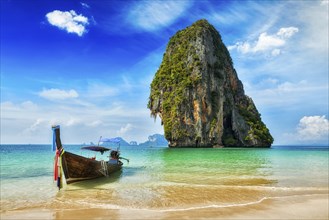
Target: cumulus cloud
point(69, 21)
point(266, 42)
point(310, 130)
point(57, 94)
point(313, 128)
point(152, 15)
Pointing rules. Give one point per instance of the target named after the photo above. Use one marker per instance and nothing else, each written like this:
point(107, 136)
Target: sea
point(165, 179)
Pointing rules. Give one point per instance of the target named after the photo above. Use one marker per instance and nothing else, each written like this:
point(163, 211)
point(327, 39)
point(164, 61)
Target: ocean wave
point(91, 204)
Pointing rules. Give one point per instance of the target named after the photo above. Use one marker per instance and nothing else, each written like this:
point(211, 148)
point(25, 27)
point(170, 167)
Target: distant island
point(155, 140)
point(198, 96)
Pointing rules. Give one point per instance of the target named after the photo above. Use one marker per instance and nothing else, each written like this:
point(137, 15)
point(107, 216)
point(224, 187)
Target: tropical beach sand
point(292, 207)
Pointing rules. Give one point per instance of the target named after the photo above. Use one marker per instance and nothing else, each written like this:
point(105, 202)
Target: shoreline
point(290, 207)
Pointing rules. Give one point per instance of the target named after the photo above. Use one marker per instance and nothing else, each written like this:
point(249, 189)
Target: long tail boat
point(78, 168)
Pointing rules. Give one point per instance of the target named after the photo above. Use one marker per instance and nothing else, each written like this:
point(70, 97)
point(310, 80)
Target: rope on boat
point(104, 170)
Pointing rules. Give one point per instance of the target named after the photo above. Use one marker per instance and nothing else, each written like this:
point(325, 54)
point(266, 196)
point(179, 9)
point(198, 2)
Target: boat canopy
point(96, 148)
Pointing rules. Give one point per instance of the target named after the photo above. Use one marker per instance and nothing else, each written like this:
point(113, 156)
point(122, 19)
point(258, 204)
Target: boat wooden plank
point(78, 168)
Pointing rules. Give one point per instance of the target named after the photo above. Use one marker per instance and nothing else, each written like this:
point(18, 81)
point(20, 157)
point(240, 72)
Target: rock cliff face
point(198, 96)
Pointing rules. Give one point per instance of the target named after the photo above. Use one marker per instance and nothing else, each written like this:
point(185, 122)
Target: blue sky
point(88, 65)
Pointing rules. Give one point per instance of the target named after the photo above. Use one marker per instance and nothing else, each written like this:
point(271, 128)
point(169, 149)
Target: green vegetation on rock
point(258, 129)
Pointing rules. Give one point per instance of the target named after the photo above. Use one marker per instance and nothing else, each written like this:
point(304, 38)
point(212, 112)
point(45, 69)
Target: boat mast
point(100, 138)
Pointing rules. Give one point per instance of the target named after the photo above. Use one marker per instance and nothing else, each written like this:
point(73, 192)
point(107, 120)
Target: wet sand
point(291, 207)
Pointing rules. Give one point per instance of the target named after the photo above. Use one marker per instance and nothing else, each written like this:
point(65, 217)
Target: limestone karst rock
point(198, 96)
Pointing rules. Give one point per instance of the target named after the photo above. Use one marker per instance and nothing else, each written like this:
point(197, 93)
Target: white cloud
point(125, 129)
point(276, 52)
point(290, 87)
point(310, 130)
point(313, 128)
point(95, 123)
point(274, 93)
point(12, 108)
point(265, 42)
point(72, 121)
point(325, 2)
point(35, 125)
point(29, 105)
point(27, 122)
point(315, 18)
point(85, 5)
point(69, 21)
point(152, 15)
point(287, 32)
point(57, 94)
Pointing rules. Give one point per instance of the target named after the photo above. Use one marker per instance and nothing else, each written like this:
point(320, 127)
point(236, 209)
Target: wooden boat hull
point(78, 168)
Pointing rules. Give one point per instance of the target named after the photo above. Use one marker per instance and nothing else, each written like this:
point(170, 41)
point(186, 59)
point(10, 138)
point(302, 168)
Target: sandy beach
point(292, 207)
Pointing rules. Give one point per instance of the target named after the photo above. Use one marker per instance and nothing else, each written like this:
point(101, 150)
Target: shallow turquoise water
point(163, 178)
